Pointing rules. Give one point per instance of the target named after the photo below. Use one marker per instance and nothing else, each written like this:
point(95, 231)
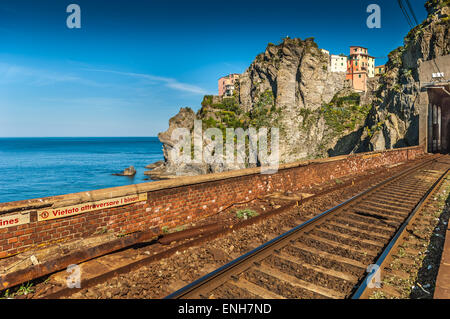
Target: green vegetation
point(165, 229)
point(344, 113)
point(24, 289)
point(179, 228)
point(259, 116)
point(397, 87)
point(395, 57)
point(207, 100)
point(7, 295)
point(246, 213)
point(312, 42)
point(378, 295)
point(407, 72)
point(309, 118)
point(227, 114)
point(210, 122)
point(374, 128)
point(439, 3)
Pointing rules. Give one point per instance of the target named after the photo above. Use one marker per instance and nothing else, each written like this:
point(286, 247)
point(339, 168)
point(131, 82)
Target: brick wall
point(177, 202)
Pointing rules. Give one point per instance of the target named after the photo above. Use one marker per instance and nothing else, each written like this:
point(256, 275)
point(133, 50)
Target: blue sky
point(133, 64)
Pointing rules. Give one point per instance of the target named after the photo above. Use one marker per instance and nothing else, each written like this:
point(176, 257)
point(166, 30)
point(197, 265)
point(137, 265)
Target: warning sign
point(50, 213)
point(14, 220)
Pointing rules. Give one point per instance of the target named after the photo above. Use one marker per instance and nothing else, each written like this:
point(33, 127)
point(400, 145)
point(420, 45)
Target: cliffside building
point(338, 63)
point(360, 66)
point(226, 84)
point(379, 70)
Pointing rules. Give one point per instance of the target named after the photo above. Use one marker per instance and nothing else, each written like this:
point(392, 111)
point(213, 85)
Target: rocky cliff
point(394, 118)
point(290, 87)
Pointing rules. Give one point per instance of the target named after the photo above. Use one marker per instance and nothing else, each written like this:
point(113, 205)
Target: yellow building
point(379, 69)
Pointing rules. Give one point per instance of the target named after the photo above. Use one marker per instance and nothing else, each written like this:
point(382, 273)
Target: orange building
point(360, 66)
point(226, 84)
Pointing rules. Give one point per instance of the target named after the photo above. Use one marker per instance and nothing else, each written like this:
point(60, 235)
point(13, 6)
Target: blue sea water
point(40, 167)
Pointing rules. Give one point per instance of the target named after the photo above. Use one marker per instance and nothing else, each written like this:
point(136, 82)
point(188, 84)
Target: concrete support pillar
point(423, 107)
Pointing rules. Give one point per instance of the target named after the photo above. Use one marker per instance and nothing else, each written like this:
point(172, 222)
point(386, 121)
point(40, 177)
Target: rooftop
point(226, 76)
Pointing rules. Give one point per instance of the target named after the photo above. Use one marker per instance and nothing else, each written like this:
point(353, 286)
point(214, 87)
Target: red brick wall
point(179, 205)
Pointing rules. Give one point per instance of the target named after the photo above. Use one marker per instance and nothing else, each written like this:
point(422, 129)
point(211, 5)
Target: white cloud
point(10, 73)
point(169, 82)
point(103, 103)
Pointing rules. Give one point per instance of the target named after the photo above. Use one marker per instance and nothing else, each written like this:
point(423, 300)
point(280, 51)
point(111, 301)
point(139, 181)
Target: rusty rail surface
point(36, 271)
point(336, 245)
point(365, 289)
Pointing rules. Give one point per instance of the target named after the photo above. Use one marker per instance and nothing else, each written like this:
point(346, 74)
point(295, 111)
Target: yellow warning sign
point(14, 220)
point(61, 212)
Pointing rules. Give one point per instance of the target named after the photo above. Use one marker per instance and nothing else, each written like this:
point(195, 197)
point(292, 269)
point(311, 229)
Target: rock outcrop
point(289, 87)
point(130, 171)
point(154, 165)
point(294, 79)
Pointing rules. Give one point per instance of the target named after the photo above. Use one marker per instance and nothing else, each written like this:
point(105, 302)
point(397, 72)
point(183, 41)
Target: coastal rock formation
point(289, 87)
point(394, 119)
point(294, 81)
point(169, 169)
point(130, 171)
point(154, 165)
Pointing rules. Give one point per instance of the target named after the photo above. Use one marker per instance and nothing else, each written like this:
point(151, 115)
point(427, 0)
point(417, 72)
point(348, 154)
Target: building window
point(360, 76)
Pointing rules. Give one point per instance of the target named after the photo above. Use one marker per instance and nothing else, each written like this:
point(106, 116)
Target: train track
point(329, 255)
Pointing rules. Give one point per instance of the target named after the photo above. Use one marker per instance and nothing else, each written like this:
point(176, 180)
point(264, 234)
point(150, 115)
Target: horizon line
point(71, 136)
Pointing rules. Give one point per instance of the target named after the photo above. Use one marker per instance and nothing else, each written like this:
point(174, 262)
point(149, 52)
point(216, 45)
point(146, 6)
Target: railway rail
point(328, 256)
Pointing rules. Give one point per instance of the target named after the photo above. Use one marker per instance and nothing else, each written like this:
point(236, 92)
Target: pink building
point(226, 84)
point(360, 67)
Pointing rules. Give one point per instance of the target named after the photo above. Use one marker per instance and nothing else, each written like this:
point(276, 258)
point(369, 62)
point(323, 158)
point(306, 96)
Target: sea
point(41, 167)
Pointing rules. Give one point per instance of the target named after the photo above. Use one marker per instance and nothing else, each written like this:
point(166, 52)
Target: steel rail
point(363, 289)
